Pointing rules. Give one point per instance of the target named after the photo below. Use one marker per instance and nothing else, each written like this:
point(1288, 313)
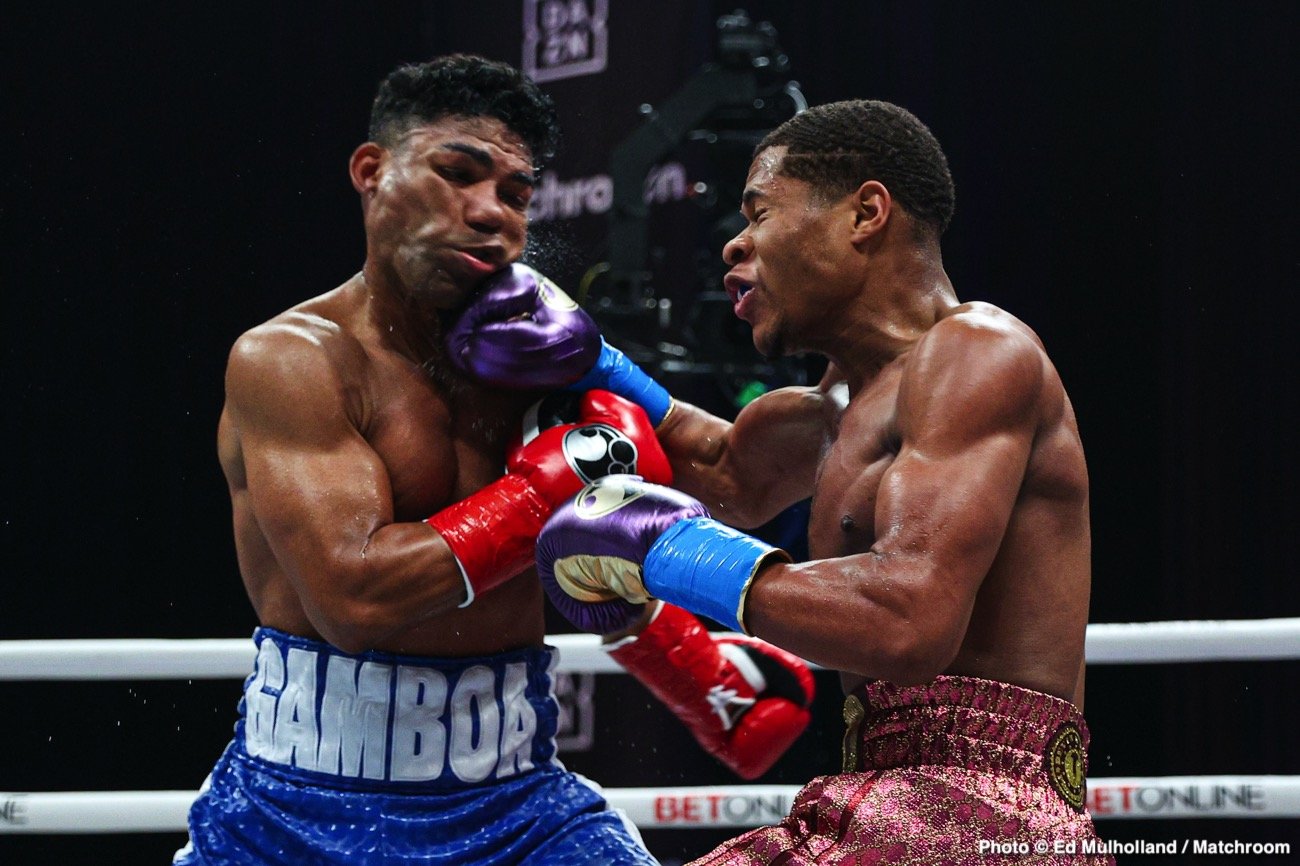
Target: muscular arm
point(968, 410)
point(746, 472)
point(320, 494)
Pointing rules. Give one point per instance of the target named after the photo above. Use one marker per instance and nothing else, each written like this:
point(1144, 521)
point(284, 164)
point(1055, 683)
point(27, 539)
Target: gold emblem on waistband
point(1063, 762)
point(854, 713)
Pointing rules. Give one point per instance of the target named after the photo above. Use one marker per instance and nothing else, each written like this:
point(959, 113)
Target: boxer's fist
point(522, 331)
point(589, 554)
point(622, 537)
point(744, 701)
point(607, 436)
point(491, 532)
point(612, 436)
point(622, 541)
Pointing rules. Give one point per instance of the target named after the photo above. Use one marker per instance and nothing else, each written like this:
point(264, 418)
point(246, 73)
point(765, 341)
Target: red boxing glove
point(744, 700)
point(605, 435)
point(492, 532)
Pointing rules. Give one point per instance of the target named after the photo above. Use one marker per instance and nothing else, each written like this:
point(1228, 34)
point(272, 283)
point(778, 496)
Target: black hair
point(838, 146)
point(464, 85)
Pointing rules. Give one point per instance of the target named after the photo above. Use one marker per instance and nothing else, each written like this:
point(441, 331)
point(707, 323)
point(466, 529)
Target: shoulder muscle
point(973, 374)
point(293, 372)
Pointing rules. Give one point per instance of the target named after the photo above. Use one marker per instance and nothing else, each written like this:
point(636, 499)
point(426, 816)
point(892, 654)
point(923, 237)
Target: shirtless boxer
point(400, 709)
point(949, 531)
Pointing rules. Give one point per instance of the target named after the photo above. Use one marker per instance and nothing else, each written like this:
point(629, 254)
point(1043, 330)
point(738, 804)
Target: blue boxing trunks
point(386, 759)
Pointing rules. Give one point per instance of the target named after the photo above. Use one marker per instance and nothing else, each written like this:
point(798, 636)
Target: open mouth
point(737, 288)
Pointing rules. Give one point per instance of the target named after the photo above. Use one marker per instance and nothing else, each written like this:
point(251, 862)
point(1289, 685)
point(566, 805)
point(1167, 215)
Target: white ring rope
point(652, 808)
point(232, 658)
point(684, 808)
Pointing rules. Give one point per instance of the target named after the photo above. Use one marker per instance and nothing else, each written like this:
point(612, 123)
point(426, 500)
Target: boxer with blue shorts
point(379, 758)
point(386, 499)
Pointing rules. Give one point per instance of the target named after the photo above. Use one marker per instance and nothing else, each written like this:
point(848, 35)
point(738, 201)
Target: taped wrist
point(707, 568)
point(493, 532)
point(615, 372)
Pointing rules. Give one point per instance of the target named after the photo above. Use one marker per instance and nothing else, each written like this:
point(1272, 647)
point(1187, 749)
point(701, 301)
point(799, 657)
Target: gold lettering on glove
point(600, 578)
point(553, 296)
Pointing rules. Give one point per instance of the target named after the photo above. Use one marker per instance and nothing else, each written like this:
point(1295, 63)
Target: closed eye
point(454, 174)
point(517, 198)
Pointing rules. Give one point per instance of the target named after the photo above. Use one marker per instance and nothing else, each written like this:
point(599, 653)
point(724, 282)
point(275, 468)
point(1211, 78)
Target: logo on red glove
point(597, 450)
point(728, 704)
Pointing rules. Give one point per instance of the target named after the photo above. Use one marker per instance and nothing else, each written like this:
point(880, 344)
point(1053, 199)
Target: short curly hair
point(838, 146)
point(464, 85)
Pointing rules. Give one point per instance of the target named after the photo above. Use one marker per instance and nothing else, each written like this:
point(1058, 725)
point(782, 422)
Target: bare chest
point(843, 510)
point(439, 442)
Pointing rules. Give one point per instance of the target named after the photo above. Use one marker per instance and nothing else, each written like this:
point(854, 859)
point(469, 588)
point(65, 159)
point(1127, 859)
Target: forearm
point(386, 583)
point(891, 617)
point(697, 444)
point(860, 614)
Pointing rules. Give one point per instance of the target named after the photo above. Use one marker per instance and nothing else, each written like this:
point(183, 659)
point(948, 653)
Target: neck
point(901, 298)
point(401, 322)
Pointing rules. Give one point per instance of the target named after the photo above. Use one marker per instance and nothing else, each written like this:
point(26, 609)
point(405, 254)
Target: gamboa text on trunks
point(738, 806)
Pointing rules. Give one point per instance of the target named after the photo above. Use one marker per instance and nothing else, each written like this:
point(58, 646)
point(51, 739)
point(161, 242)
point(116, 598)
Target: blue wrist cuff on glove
point(706, 567)
point(615, 372)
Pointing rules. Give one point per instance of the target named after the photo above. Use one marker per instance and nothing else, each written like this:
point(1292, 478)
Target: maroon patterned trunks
point(958, 771)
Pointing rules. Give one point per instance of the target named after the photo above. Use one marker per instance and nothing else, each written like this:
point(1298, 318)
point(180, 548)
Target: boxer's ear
point(872, 207)
point(364, 167)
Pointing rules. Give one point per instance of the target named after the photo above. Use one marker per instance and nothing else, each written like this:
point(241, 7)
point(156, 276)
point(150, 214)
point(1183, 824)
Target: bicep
point(967, 420)
point(951, 506)
point(746, 471)
point(317, 488)
point(316, 502)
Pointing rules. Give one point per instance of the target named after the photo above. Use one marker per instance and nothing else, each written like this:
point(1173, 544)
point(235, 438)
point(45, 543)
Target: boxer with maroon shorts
point(949, 539)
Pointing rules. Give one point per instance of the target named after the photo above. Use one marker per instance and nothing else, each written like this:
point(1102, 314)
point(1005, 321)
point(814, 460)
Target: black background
point(175, 173)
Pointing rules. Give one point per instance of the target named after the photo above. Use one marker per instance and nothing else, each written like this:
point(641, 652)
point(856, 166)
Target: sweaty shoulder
point(302, 356)
point(983, 365)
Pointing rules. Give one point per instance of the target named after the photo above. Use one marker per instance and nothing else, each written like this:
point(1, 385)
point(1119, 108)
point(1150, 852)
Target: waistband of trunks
point(972, 723)
point(379, 721)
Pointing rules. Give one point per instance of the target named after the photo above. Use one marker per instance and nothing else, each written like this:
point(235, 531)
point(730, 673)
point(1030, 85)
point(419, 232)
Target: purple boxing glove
point(609, 528)
point(522, 331)
point(622, 539)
